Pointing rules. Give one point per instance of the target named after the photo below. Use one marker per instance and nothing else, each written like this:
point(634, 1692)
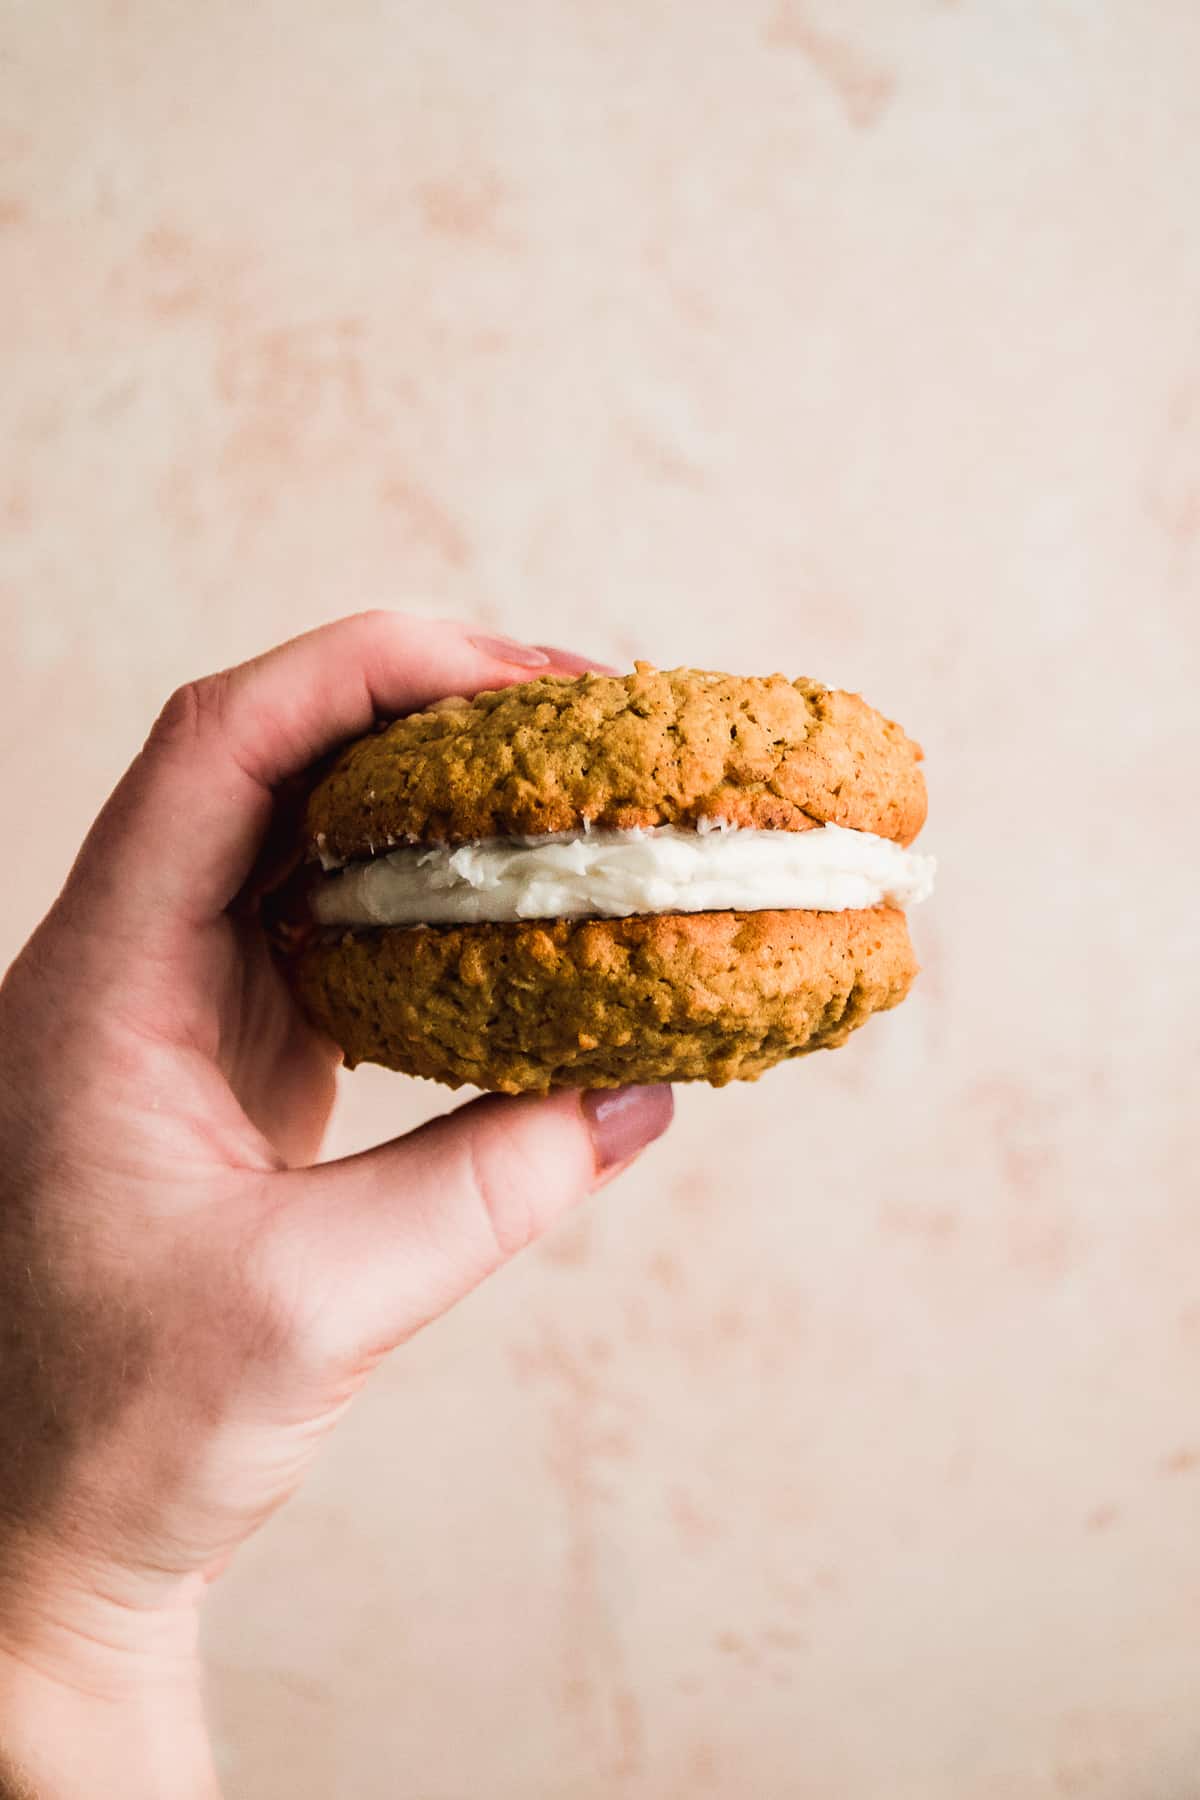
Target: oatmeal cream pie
point(592, 882)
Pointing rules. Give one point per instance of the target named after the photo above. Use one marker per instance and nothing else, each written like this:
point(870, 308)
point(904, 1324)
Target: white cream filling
point(615, 874)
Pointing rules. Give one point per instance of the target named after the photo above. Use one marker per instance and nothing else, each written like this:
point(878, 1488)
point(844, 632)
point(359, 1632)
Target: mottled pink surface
point(851, 1446)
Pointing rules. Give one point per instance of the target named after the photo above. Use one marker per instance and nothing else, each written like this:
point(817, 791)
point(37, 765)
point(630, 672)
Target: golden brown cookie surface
point(605, 1002)
point(651, 748)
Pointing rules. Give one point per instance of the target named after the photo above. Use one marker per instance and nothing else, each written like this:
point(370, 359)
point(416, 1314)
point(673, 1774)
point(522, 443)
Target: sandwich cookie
point(610, 880)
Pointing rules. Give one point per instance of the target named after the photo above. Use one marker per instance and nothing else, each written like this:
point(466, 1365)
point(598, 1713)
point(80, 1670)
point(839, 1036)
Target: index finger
point(178, 836)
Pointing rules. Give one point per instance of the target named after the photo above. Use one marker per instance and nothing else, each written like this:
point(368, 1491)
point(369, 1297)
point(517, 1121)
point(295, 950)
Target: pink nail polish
point(508, 650)
point(623, 1121)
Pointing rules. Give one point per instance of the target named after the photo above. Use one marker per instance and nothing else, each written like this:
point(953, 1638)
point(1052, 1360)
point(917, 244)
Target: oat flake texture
point(651, 748)
point(587, 1003)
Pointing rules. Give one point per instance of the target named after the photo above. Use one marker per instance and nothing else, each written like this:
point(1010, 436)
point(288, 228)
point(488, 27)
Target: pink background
point(851, 1446)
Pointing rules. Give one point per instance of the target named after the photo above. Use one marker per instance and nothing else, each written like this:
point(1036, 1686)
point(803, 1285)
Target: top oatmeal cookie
point(680, 747)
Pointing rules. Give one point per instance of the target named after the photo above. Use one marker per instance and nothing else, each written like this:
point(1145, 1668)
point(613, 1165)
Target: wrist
point(100, 1698)
point(144, 1739)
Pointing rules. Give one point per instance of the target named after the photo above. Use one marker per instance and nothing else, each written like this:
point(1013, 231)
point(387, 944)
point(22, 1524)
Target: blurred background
point(849, 1447)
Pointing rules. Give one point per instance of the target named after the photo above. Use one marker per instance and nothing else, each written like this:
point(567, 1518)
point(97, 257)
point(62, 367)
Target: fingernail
point(506, 649)
point(623, 1121)
point(576, 664)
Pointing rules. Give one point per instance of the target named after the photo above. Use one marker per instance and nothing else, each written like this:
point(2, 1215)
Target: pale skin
point(188, 1302)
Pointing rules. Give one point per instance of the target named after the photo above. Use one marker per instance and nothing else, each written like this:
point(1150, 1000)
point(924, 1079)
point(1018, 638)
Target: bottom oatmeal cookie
point(593, 1003)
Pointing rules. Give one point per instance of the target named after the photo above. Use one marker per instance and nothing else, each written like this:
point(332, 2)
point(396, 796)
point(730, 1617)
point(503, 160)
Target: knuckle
point(383, 620)
point(290, 1311)
point(505, 1183)
point(191, 711)
point(374, 618)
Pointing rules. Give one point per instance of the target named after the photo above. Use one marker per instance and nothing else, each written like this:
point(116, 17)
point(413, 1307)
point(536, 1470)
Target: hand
point(187, 1305)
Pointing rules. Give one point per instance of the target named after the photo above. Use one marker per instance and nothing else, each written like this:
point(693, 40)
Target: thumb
point(374, 1246)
